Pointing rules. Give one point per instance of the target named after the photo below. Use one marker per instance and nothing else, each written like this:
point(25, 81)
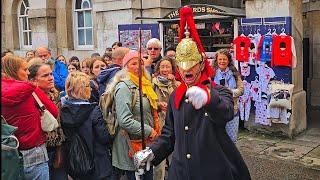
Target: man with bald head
point(44, 53)
point(106, 75)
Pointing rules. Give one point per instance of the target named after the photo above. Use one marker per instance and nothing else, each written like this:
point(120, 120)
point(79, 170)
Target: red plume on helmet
point(186, 17)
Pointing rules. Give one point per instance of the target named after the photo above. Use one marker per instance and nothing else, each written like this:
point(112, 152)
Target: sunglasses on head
point(150, 48)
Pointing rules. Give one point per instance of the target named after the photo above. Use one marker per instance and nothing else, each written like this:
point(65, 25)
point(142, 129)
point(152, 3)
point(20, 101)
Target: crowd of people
point(70, 90)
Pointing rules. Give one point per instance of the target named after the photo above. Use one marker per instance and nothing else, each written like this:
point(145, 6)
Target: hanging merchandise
point(284, 52)
point(265, 48)
point(242, 45)
point(265, 74)
point(281, 94)
point(256, 90)
point(253, 50)
point(262, 113)
point(244, 69)
point(245, 101)
point(278, 115)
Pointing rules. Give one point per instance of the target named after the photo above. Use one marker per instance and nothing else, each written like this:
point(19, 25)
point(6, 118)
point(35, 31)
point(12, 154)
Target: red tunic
point(242, 45)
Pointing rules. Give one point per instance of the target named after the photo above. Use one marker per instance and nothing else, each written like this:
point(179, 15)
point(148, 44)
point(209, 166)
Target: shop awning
point(203, 11)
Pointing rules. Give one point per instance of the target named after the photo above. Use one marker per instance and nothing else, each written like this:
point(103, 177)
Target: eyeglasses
point(150, 48)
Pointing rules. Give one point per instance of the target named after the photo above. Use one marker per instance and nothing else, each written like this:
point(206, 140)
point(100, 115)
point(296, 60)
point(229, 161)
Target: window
point(83, 22)
point(24, 27)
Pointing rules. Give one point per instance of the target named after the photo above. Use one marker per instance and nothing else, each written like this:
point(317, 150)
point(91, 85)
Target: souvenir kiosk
point(216, 26)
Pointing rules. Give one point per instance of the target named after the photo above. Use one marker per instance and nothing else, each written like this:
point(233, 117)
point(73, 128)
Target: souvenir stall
point(215, 25)
point(264, 53)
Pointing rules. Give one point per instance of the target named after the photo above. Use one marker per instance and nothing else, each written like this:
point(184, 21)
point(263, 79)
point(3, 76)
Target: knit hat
point(130, 55)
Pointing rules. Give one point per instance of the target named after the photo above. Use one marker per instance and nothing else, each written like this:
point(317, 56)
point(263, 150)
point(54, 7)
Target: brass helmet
point(187, 53)
point(189, 50)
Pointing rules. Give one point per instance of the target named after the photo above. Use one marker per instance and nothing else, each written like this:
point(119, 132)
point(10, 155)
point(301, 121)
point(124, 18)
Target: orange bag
point(136, 145)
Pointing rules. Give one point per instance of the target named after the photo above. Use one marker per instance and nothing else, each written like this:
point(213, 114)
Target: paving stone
point(311, 162)
point(263, 137)
point(253, 145)
point(301, 142)
point(311, 138)
point(314, 153)
point(313, 132)
point(288, 151)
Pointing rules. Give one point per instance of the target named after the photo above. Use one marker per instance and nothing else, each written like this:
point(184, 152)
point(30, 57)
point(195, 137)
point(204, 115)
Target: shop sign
point(198, 10)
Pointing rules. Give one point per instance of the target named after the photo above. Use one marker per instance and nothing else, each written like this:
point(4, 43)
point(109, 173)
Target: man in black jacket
point(197, 113)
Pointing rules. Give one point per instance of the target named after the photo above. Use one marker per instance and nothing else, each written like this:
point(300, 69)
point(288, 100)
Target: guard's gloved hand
point(143, 159)
point(197, 96)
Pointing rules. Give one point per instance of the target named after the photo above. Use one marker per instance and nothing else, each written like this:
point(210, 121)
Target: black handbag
point(80, 161)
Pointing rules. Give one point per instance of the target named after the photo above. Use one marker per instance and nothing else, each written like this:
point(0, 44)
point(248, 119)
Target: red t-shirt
point(242, 45)
point(282, 51)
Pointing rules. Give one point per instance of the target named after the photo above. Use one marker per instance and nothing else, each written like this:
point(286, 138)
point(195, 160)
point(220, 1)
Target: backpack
point(11, 159)
point(79, 162)
point(108, 108)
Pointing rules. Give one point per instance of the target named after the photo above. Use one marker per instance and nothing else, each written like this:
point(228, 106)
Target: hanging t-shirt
point(242, 45)
point(265, 74)
point(265, 48)
point(282, 51)
point(254, 42)
point(256, 90)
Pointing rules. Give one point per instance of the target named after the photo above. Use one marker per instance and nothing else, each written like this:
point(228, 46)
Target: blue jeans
point(37, 172)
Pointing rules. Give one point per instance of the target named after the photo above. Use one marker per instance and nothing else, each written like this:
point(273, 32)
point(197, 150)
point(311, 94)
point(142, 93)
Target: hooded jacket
point(87, 120)
point(105, 77)
point(60, 74)
point(20, 109)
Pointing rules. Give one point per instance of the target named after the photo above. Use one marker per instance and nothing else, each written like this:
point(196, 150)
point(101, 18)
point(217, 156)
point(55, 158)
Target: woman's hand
point(147, 61)
point(171, 77)
point(153, 135)
point(163, 105)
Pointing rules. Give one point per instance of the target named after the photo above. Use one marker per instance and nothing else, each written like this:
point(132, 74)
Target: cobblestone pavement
point(281, 158)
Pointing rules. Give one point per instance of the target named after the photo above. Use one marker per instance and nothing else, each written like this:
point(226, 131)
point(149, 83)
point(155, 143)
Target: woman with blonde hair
point(82, 118)
point(127, 103)
point(20, 109)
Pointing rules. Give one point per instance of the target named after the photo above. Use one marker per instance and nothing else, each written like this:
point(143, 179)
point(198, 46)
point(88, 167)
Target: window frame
point(21, 29)
point(76, 27)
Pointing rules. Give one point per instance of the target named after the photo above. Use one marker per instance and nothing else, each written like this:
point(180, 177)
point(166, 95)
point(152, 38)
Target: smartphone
point(222, 82)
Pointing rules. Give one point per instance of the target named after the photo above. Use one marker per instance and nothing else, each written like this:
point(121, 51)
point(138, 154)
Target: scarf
point(146, 89)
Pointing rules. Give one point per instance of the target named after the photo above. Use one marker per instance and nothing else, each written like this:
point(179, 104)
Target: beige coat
point(237, 93)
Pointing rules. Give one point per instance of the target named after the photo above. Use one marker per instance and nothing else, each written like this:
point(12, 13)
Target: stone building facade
point(81, 27)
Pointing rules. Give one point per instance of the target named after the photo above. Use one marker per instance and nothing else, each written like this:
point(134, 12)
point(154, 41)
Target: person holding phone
point(227, 75)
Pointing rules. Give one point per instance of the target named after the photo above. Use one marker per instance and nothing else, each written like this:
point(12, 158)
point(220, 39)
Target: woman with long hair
point(227, 75)
point(20, 109)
